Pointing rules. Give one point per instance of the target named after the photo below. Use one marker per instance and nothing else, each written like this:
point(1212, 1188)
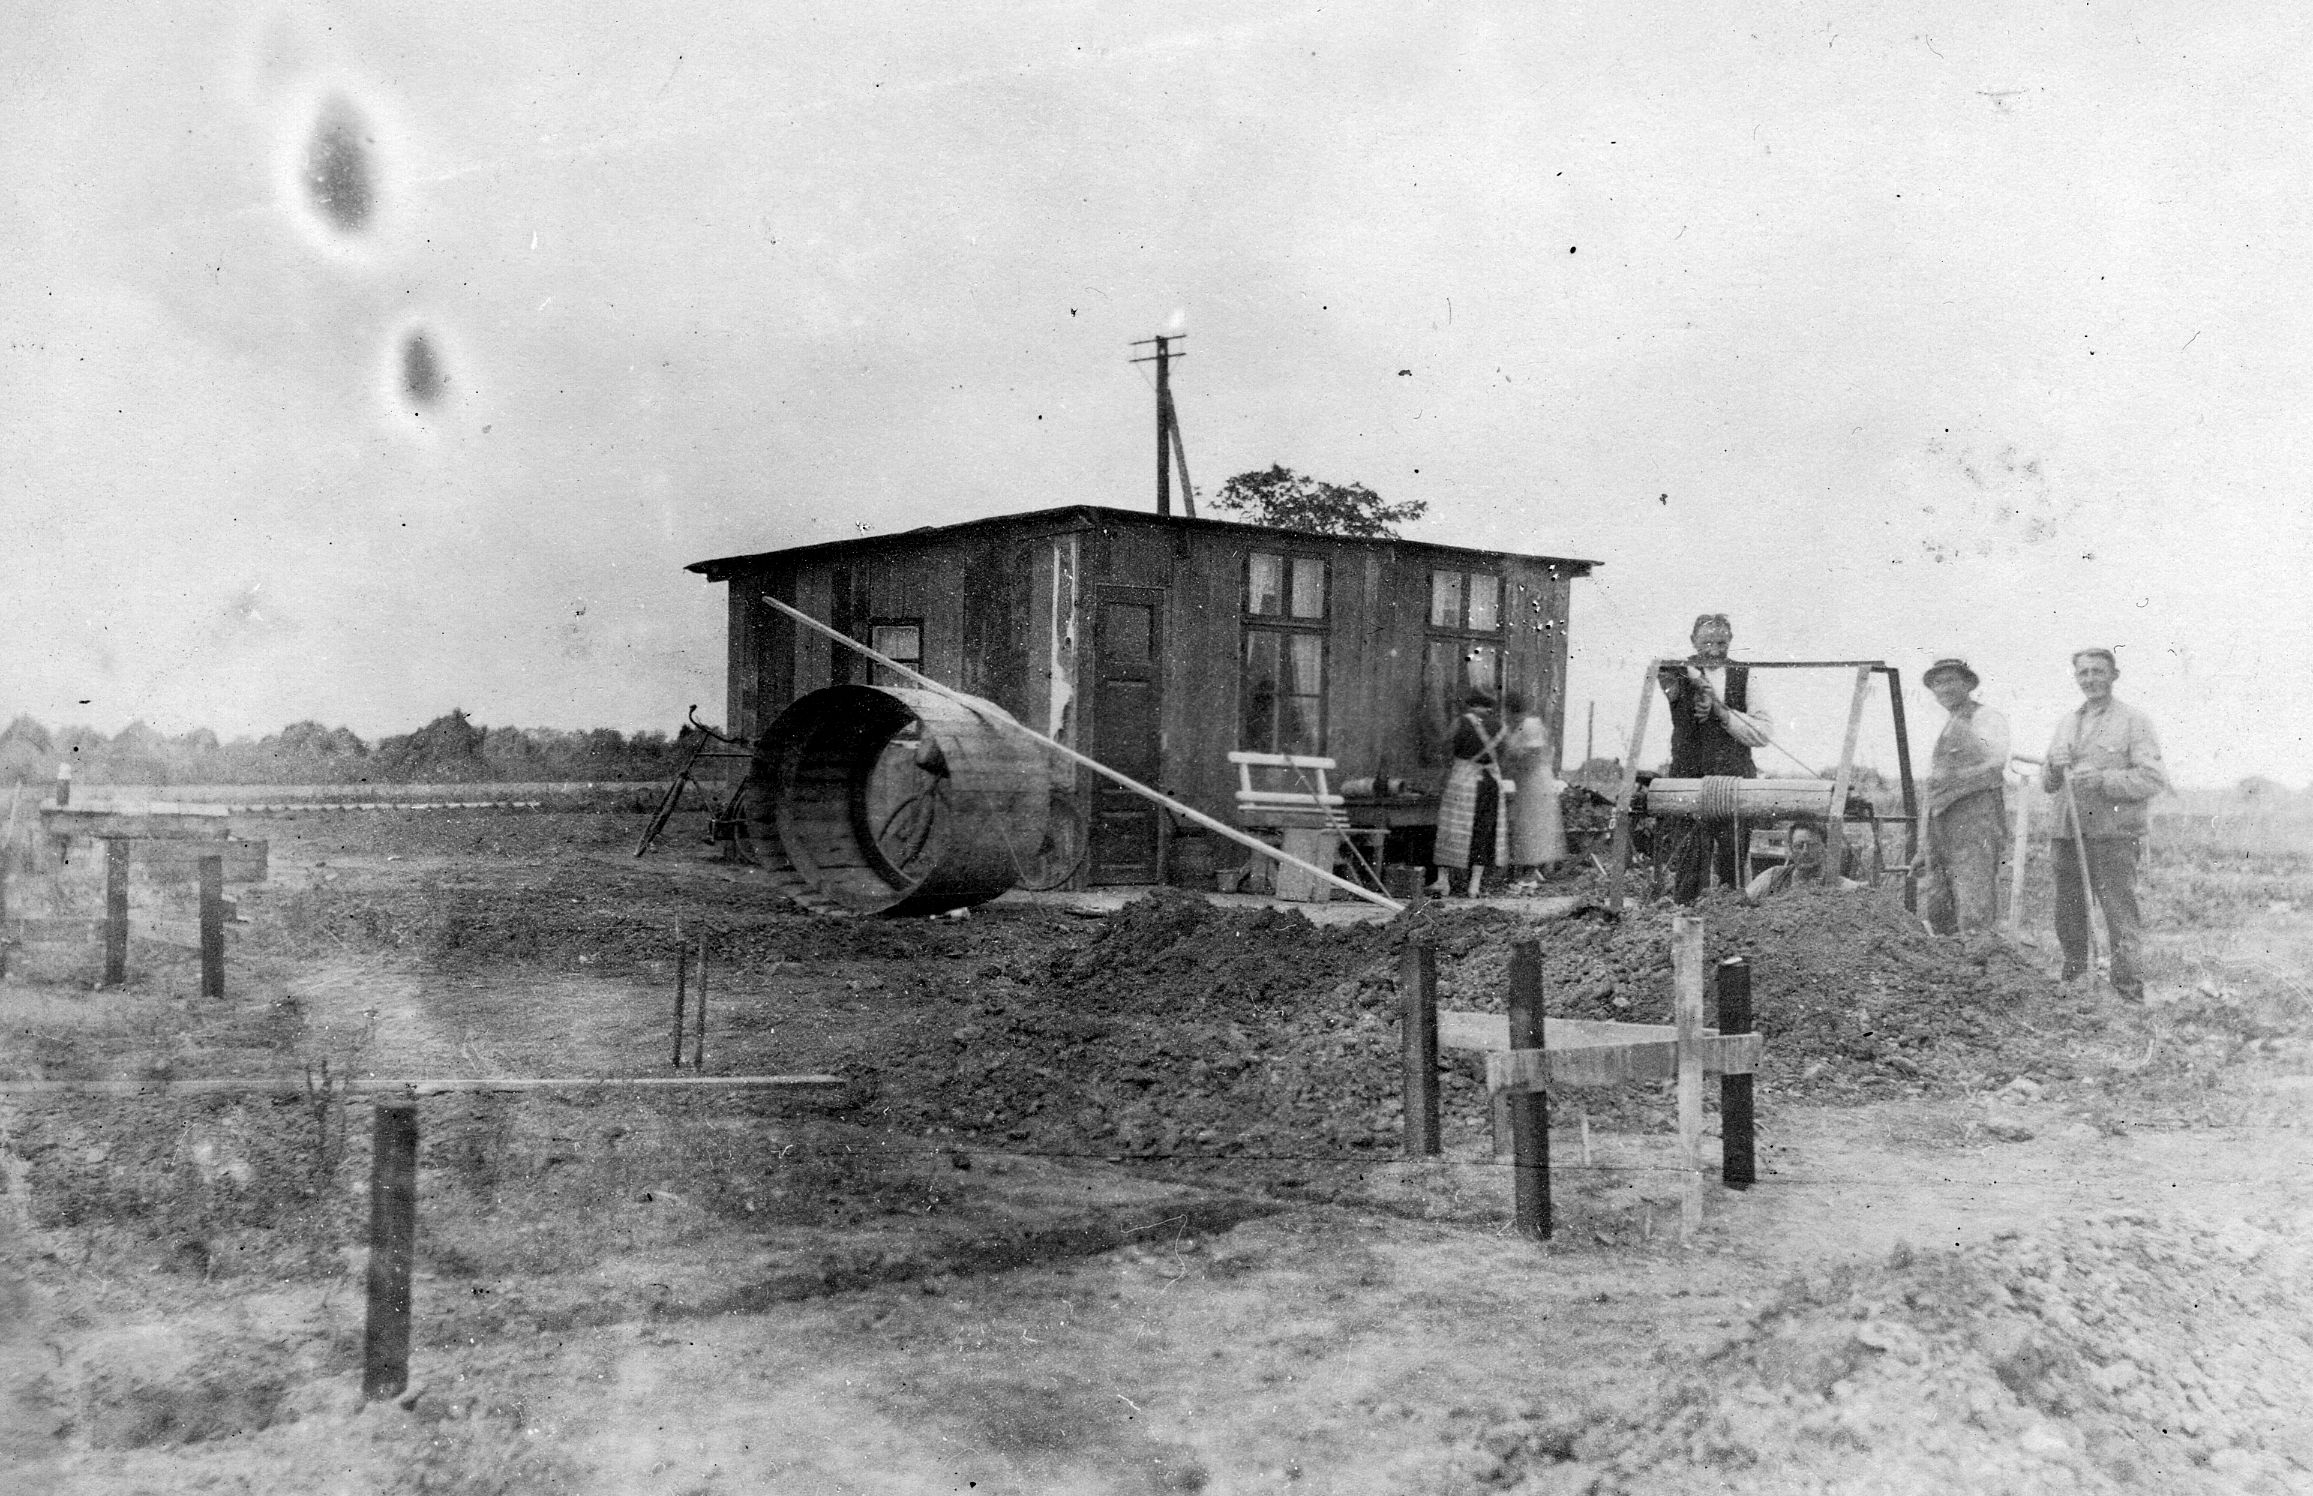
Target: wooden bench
point(1308, 818)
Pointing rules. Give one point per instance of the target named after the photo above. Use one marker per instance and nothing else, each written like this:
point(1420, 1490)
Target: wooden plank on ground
point(1465, 1029)
point(1614, 1065)
point(298, 1085)
point(137, 819)
point(245, 857)
point(48, 929)
point(161, 930)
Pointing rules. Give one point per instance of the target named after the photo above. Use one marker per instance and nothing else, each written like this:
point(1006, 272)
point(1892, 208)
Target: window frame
point(1460, 638)
point(1322, 619)
point(1286, 624)
point(877, 675)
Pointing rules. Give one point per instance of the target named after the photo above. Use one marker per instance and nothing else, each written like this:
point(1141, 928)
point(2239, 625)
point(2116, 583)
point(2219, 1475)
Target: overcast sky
point(1896, 337)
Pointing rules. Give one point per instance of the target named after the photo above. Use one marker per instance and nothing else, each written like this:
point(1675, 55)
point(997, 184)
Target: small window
point(900, 642)
point(1265, 585)
point(1445, 599)
point(1466, 601)
point(1485, 595)
point(1285, 587)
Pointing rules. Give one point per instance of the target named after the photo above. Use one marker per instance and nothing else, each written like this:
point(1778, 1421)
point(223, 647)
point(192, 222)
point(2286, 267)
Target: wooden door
point(1127, 708)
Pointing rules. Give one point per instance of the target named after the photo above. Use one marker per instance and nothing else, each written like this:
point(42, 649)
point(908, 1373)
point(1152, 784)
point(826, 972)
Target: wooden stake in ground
point(1687, 969)
point(682, 976)
point(699, 1035)
point(1417, 986)
point(2016, 855)
point(1529, 1109)
point(212, 927)
point(116, 873)
point(1738, 1130)
point(393, 1236)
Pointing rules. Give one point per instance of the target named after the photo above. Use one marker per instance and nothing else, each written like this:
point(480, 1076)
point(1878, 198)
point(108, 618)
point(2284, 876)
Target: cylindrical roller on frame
point(1747, 799)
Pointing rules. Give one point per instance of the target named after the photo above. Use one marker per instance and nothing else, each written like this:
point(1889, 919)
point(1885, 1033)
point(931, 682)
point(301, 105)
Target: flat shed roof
point(723, 568)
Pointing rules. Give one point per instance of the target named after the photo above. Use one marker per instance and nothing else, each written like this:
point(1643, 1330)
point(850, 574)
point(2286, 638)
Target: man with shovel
point(2103, 765)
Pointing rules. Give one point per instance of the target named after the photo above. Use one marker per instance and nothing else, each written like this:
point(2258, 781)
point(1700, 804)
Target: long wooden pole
point(2016, 858)
point(988, 711)
point(1163, 412)
point(1622, 799)
point(398, 1087)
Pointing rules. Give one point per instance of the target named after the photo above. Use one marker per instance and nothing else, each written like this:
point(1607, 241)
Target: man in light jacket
point(2103, 764)
point(1967, 808)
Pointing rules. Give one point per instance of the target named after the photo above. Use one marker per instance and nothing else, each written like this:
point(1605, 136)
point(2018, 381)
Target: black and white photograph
point(1095, 749)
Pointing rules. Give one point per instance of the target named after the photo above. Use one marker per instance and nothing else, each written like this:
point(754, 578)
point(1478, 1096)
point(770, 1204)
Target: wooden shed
point(1157, 644)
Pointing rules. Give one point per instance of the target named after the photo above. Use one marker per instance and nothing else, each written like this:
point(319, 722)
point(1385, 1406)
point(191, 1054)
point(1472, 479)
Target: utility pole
point(1170, 453)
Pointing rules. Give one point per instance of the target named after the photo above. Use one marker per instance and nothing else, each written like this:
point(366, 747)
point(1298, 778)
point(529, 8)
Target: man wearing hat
point(1967, 807)
point(2103, 765)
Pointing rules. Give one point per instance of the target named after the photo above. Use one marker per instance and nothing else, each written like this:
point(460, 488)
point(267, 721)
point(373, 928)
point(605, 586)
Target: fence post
point(682, 975)
point(116, 875)
point(1687, 972)
point(1529, 1110)
point(1738, 1131)
point(699, 1034)
point(212, 927)
point(1417, 990)
point(393, 1233)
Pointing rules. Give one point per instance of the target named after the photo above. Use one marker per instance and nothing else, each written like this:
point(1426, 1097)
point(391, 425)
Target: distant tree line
point(448, 750)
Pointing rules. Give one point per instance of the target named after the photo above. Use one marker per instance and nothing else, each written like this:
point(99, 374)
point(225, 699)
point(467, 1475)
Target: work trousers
point(2112, 874)
point(1961, 892)
point(1700, 847)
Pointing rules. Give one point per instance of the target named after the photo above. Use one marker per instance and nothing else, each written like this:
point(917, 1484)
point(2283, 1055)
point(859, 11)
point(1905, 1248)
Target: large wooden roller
point(895, 802)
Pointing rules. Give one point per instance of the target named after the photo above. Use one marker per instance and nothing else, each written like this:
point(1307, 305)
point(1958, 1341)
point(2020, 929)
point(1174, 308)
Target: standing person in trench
point(2103, 764)
point(1472, 831)
point(1967, 807)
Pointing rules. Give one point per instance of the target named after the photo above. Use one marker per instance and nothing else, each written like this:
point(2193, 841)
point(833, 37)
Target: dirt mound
point(2128, 1353)
point(1854, 999)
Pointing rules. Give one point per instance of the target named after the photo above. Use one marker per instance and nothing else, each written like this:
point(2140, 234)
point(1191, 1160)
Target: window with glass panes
point(1281, 681)
point(1466, 639)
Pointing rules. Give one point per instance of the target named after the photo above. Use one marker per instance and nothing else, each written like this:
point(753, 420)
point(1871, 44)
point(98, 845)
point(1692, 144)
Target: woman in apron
point(1537, 830)
point(1472, 831)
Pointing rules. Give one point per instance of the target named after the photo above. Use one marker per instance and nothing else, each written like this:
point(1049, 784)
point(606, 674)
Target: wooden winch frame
point(1842, 780)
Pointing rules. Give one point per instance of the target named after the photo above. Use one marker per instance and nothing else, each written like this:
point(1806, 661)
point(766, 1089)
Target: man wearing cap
point(2103, 766)
point(1717, 718)
point(1967, 807)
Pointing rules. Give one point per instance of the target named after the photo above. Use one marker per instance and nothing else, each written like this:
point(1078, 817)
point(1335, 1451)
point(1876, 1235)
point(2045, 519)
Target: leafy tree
point(1285, 500)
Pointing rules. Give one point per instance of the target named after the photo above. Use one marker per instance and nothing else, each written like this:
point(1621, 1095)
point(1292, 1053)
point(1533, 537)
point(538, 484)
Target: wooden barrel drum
point(896, 802)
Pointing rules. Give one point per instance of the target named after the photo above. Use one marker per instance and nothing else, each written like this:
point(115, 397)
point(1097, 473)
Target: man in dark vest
point(1717, 718)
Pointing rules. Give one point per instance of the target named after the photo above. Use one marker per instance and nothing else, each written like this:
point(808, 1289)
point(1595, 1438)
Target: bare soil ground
point(1114, 1202)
